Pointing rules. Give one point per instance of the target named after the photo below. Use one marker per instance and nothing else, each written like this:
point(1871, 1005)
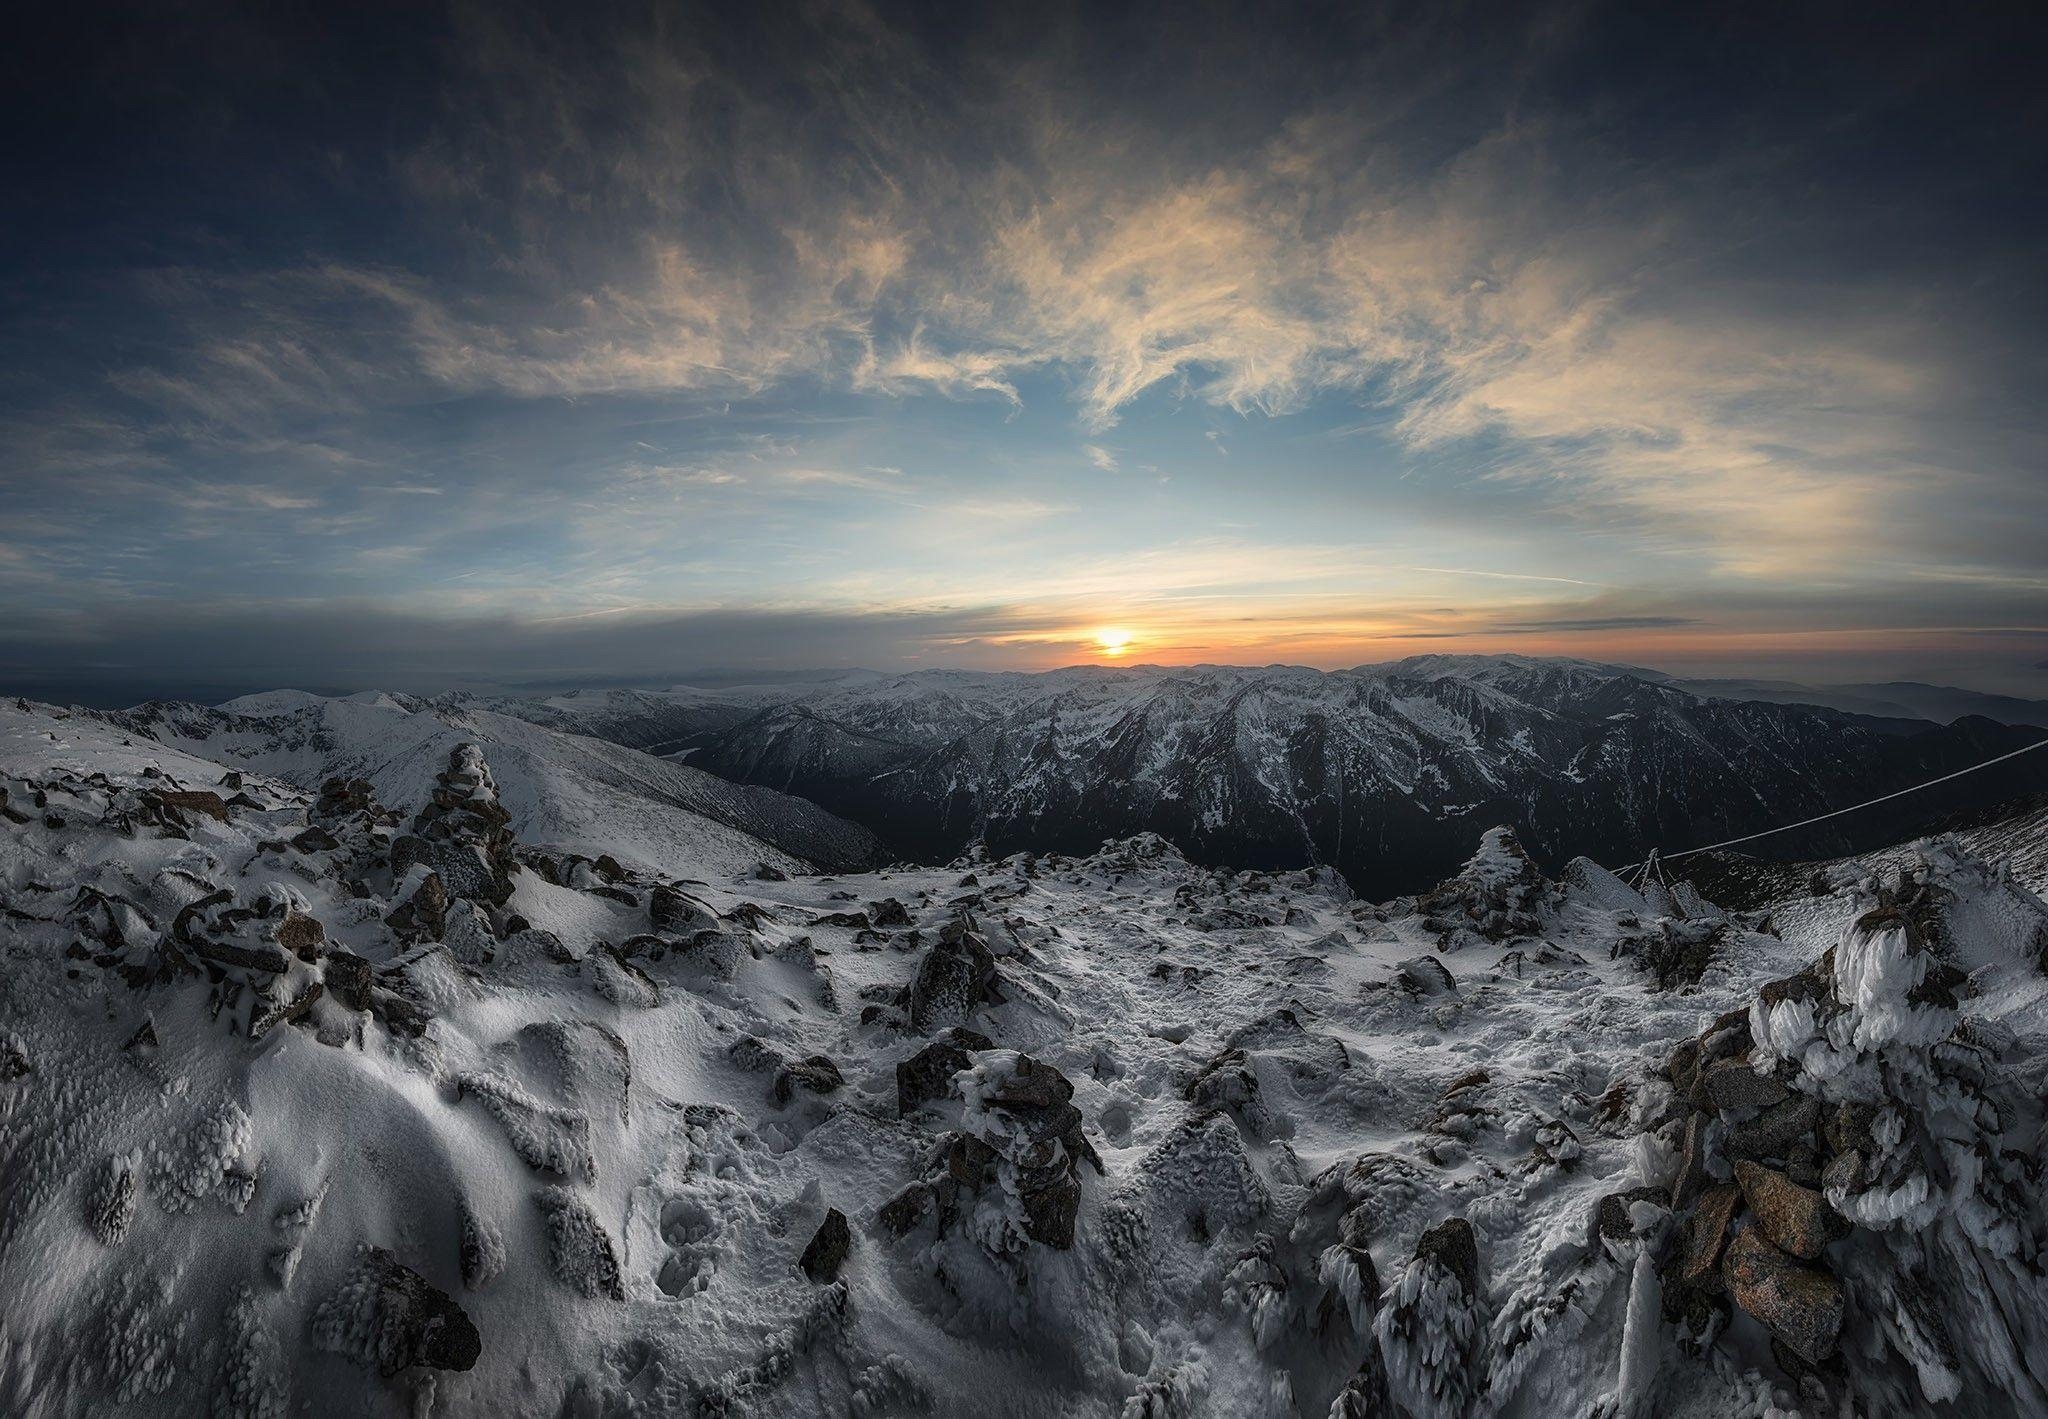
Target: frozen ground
point(311, 1105)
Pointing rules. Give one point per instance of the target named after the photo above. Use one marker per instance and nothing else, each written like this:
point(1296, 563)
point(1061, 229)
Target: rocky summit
point(334, 1088)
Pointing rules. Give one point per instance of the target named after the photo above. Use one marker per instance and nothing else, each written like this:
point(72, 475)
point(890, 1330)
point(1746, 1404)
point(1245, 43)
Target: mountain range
point(1385, 772)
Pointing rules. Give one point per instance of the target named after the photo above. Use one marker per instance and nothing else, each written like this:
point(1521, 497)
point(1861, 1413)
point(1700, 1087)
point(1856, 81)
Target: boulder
point(387, 1315)
point(828, 1248)
point(1453, 1246)
point(1777, 1131)
point(1614, 1214)
point(953, 980)
point(202, 801)
point(928, 1075)
point(1795, 1218)
point(1425, 976)
point(301, 935)
point(348, 979)
point(1732, 1084)
point(1706, 1234)
point(817, 1075)
point(1800, 1305)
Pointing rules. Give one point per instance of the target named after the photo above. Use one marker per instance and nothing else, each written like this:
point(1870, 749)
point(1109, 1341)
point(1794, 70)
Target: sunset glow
point(1113, 641)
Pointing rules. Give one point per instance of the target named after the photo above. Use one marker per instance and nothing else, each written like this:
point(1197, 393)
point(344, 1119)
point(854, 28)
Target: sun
point(1113, 641)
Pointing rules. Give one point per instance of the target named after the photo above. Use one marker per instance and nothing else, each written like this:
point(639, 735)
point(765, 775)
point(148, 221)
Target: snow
point(1283, 1097)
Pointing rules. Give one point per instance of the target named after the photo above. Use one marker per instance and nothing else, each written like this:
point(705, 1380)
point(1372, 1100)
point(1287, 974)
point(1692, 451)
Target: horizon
point(113, 695)
point(467, 346)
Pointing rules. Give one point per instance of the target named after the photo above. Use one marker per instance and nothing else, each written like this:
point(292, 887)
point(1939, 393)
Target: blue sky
point(422, 346)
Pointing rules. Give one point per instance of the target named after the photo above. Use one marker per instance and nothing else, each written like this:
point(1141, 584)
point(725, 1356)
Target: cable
point(1869, 802)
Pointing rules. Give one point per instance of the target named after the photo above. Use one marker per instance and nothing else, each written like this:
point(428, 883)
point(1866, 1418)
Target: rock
point(1800, 1305)
point(1795, 1218)
point(828, 1248)
point(888, 912)
point(1425, 976)
point(1847, 1128)
point(676, 913)
point(1732, 1084)
point(14, 1063)
point(928, 1075)
point(1050, 1208)
point(953, 979)
point(387, 1315)
point(264, 1019)
point(1613, 1215)
point(817, 1075)
point(907, 1208)
point(1728, 1035)
point(315, 839)
point(424, 915)
point(301, 935)
point(1692, 1163)
point(1844, 1173)
point(200, 800)
point(1683, 1066)
point(1775, 1132)
point(348, 979)
point(768, 872)
point(1453, 1246)
point(1038, 1097)
point(1706, 1233)
point(754, 1055)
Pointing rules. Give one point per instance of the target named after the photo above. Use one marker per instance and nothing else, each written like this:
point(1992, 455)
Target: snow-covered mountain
point(314, 1104)
point(1385, 772)
point(563, 789)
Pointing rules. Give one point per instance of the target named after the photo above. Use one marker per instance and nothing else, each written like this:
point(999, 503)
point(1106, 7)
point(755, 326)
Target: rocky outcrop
point(388, 1316)
point(954, 978)
point(463, 834)
point(1845, 1162)
point(827, 1250)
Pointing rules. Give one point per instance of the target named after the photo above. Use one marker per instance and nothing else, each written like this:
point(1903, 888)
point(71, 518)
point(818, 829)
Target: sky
point(422, 346)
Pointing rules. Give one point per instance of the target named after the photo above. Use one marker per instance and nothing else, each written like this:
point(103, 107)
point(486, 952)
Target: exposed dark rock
point(424, 915)
point(387, 1315)
point(677, 913)
point(928, 1074)
point(828, 1248)
point(1801, 1305)
point(1425, 976)
point(1453, 1246)
point(1795, 1218)
point(1732, 1084)
point(953, 980)
point(1612, 1215)
point(348, 979)
point(301, 935)
point(315, 839)
point(888, 912)
point(816, 1075)
point(200, 800)
point(1774, 1132)
point(1692, 1163)
point(1706, 1233)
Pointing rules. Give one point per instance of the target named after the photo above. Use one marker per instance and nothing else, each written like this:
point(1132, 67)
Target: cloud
point(1101, 457)
point(1593, 623)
